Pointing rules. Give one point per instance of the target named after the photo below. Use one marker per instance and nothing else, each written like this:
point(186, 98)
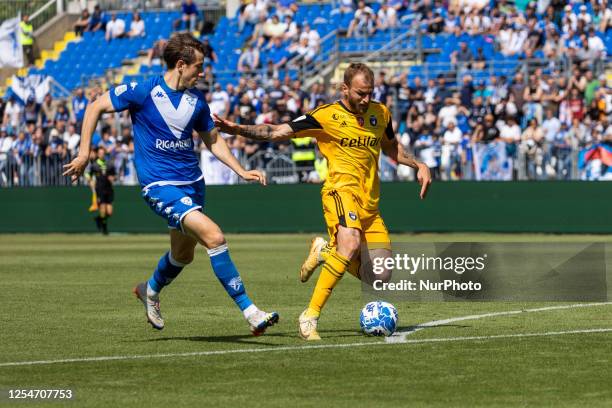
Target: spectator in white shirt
point(453, 134)
point(12, 114)
point(387, 17)
point(584, 16)
point(314, 39)
point(448, 113)
point(551, 126)
point(115, 28)
point(219, 104)
point(274, 28)
point(363, 21)
point(596, 45)
point(291, 32)
point(510, 132)
point(137, 26)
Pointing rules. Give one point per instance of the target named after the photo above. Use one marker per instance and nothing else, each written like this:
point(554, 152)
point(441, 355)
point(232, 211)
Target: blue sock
point(228, 276)
point(167, 269)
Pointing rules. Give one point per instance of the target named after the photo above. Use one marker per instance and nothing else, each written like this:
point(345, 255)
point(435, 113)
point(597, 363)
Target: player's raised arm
point(218, 147)
point(76, 167)
point(269, 133)
point(396, 151)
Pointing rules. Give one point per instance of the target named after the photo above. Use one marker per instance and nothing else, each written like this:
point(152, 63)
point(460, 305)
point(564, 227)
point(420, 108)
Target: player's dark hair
point(182, 46)
point(358, 68)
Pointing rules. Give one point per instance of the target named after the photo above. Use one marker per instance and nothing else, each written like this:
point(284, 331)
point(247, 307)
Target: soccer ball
point(378, 319)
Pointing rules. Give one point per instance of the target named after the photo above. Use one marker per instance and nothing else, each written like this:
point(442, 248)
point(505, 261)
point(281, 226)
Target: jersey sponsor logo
point(186, 144)
point(177, 119)
point(367, 141)
point(120, 89)
point(373, 120)
point(186, 201)
point(360, 121)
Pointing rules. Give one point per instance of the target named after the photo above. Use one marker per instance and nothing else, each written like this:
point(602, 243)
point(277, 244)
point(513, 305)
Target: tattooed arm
point(268, 133)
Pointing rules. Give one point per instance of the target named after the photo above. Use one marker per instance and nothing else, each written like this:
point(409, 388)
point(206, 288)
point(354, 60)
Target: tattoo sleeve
point(257, 132)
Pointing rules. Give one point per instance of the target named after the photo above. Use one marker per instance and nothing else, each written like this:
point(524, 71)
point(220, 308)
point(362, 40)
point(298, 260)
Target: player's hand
point(225, 125)
point(254, 175)
point(424, 179)
point(75, 168)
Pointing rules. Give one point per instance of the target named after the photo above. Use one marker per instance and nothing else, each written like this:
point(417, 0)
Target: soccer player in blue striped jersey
point(165, 111)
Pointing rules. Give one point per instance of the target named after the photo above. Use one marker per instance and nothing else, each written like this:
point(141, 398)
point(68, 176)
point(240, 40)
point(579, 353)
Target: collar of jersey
point(345, 108)
point(167, 88)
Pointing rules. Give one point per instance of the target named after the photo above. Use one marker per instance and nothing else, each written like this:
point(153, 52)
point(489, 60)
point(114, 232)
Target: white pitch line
point(400, 337)
point(296, 348)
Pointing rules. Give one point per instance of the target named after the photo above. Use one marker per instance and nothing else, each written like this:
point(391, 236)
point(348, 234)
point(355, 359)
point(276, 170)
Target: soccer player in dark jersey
point(103, 175)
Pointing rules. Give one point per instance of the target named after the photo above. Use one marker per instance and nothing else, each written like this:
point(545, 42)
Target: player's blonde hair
point(358, 68)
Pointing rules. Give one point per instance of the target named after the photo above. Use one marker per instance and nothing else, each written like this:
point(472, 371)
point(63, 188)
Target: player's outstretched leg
point(148, 292)
point(209, 234)
point(317, 254)
point(168, 268)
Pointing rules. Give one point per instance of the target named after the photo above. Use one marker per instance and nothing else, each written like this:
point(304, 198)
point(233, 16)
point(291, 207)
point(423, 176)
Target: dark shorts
point(105, 196)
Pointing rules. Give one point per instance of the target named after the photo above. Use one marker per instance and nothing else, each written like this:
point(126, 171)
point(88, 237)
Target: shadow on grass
point(249, 339)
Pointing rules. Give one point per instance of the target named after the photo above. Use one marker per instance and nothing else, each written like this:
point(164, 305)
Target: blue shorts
point(174, 202)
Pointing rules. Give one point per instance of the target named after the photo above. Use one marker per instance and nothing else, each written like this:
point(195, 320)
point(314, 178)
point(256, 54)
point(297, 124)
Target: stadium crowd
point(540, 122)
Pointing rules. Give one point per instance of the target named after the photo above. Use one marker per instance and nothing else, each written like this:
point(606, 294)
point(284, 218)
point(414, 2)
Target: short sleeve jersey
point(351, 144)
point(164, 120)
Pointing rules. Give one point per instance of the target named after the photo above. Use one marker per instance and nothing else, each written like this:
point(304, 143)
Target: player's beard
point(359, 108)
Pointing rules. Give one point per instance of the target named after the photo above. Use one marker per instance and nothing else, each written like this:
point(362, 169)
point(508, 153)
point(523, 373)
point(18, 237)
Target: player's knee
point(214, 239)
point(183, 257)
point(349, 244)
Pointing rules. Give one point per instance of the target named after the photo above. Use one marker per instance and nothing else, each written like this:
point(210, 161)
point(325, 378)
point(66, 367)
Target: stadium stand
point(510, 85)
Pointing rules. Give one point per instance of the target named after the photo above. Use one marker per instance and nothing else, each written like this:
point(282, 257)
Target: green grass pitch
point(69, 297)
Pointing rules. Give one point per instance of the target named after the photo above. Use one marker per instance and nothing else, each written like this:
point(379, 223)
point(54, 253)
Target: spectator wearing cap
point(584, 16)
point(137, 26)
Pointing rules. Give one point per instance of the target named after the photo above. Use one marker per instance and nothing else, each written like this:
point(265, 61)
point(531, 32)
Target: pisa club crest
point(373, 120)
point(360, 121)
